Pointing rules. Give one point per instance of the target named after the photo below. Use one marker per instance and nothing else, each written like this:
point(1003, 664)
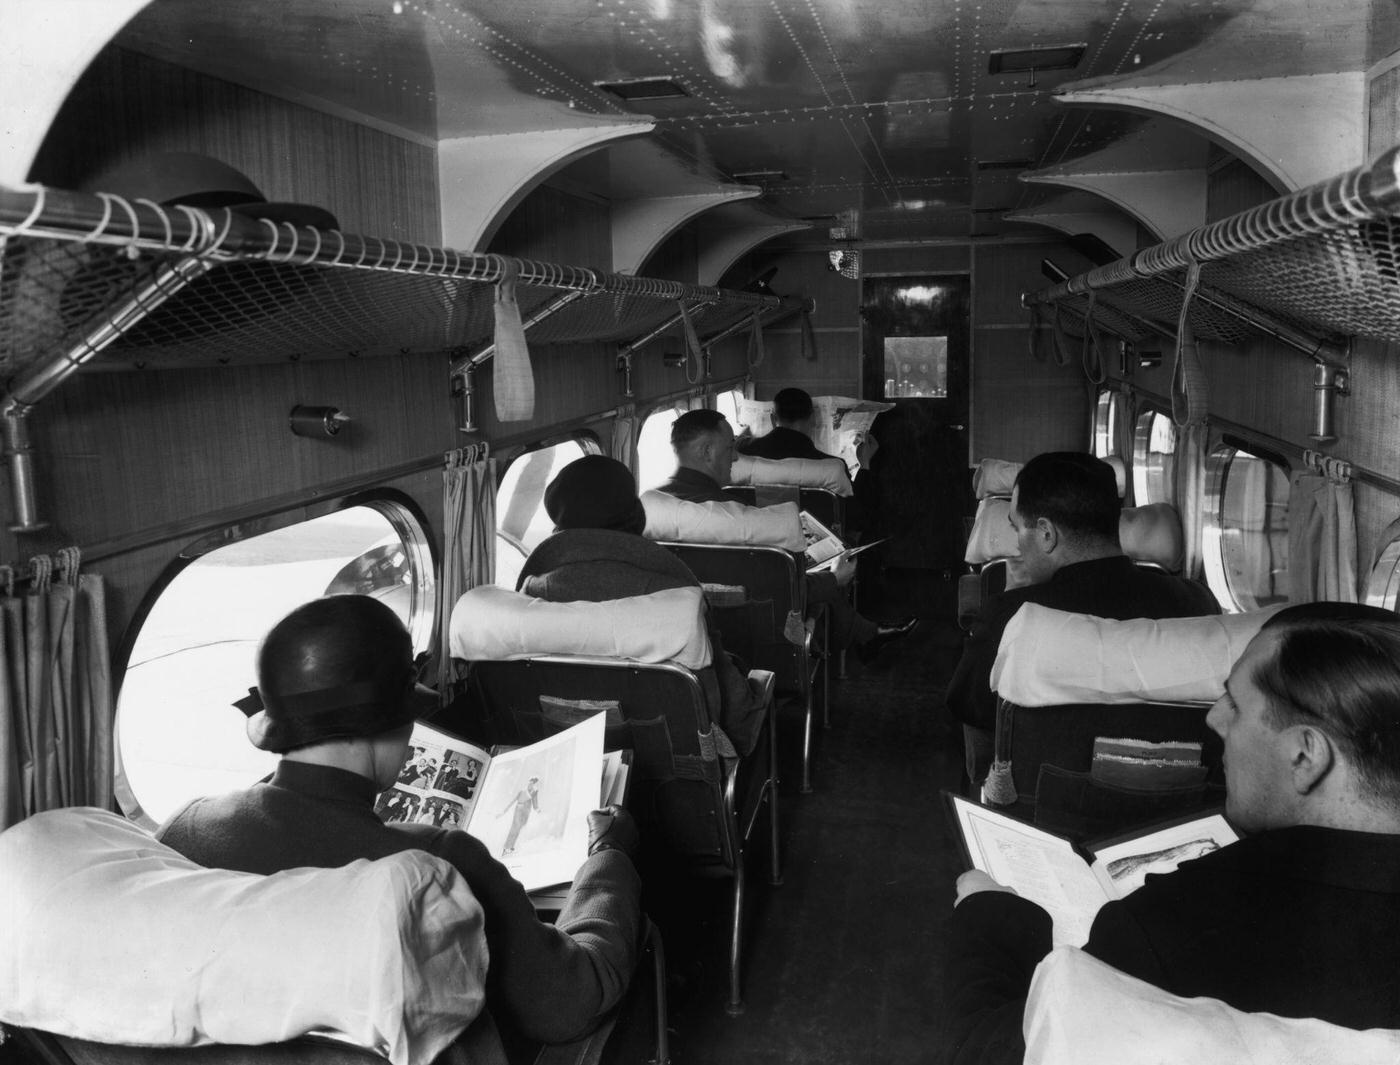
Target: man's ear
point(1046, 534)
point(1310, 756)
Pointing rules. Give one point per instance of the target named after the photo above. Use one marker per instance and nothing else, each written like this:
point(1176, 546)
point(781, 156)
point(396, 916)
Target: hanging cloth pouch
point(513, 379)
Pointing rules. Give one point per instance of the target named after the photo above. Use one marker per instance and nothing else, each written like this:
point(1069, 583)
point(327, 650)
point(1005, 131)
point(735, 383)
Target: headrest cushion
point(679, 520)
point(828, 473)
point(491, 624)
point(1052, 657)
point(108, 935)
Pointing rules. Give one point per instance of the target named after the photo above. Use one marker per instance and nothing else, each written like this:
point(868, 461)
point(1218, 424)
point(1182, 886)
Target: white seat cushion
point(492, 624)
point(1081, 1011)
point(992, 536)
point(108, 935)
point(1052, 657)
point(994, 477)
point(1152, 533)
point(829, 473)
point(681, 521)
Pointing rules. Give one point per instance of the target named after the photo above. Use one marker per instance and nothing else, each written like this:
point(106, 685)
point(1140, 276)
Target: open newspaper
point(837, 429)
point(1049, 870)
point(824, 548)
point(528, 805)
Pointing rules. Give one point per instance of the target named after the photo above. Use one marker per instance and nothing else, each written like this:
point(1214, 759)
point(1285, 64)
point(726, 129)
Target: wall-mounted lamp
point(317, 421)
point(674, 359)
point(1328, 381)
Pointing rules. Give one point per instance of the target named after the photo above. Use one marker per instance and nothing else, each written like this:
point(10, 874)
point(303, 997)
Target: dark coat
point(1300, 922)
point(595, 565)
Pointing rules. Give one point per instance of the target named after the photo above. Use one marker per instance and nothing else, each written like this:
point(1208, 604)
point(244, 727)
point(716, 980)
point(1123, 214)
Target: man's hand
point(844, 570)
point(865, 450)
point(612, 829)
point(973, 881)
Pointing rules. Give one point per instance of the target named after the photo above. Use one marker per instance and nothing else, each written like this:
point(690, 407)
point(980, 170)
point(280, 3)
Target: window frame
point(1142, 442)
point(589, 444)
point(400, 510)
point(1213, 527)
point(1113, 402)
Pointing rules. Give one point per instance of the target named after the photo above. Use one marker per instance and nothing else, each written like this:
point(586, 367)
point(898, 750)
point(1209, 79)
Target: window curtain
point(55, 692)
point(1190, 494)
point(624, 436)
point(469, 541)
point(1321, 539)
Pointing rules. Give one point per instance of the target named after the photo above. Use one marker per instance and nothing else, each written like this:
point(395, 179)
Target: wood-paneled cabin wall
point(135, 465)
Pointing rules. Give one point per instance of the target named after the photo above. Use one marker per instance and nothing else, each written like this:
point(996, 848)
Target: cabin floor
point(842, 960)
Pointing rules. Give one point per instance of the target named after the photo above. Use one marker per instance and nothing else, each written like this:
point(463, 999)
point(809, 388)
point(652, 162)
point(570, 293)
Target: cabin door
point(915, 340)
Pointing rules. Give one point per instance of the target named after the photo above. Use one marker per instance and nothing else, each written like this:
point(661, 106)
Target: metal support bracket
point(624, 367)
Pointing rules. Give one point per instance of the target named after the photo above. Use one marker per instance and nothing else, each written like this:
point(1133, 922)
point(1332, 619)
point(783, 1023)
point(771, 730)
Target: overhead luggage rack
point(132, 284)
point(1311, 268)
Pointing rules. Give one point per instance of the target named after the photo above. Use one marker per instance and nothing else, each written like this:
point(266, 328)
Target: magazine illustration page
point(532, 812)
point(1121, 867)
point(438, 783)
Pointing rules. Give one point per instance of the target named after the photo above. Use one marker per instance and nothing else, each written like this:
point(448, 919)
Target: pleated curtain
point(1321, 539)
point(55, 697)
point(624, 436)
point(469, 545)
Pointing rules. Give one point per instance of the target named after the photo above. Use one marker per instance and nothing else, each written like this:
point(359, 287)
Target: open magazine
point(824, 548)
point(1049, 870)
point(529, 805)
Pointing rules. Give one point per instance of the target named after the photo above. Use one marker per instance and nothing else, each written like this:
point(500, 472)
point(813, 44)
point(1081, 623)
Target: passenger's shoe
point(885, 634)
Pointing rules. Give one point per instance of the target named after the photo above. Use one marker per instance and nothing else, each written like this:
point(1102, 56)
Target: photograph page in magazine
point(528, 805)
point(1050, 871)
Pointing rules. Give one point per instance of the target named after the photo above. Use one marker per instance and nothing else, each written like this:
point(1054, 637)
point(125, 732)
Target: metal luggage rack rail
point(1311, 269)
point(141, 285)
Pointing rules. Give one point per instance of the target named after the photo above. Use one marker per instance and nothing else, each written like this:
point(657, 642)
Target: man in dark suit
point(703, 441)
point(1065, 511)
point(794, 425)
point(1300, 918)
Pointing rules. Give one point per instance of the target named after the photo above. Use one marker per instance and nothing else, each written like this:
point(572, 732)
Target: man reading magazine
point(1299, 919)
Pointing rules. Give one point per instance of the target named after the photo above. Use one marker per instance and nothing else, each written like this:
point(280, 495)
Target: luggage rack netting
point(1326, 258)
point(253, 292)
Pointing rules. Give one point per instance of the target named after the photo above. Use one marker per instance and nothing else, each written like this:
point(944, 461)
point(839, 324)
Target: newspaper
point(841, 423)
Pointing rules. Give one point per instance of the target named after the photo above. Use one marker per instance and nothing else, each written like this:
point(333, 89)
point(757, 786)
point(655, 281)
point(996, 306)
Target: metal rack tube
point(1367, 192)
point(223, 235)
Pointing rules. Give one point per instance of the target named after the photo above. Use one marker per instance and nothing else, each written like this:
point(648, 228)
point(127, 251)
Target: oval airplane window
point(1245, 534)
point(1383, 587)
point(727, 403)
point(1109, 412)
point(1154, 459)
point(178, 734)
point(521, 521)
point(655, 459)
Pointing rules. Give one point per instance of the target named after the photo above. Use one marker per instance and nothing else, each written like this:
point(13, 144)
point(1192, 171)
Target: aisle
point(843, 958)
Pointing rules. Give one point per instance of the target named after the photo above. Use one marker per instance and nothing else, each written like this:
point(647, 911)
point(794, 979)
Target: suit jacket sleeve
point(995, 942)
point(553, 983)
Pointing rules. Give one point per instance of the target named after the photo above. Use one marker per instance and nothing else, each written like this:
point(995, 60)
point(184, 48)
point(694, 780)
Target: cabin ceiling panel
point(863, 106)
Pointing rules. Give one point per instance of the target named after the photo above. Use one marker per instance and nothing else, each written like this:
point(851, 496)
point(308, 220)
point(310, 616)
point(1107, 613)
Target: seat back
point(822, 503)
point(1049, 751)
point(760, 609)
point(659, 711)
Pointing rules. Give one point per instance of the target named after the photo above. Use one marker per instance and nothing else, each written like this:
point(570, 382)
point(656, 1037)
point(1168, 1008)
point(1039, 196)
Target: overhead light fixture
point(1049, 57)
point(654, 88)
point(761, 177)
point(819, 219)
